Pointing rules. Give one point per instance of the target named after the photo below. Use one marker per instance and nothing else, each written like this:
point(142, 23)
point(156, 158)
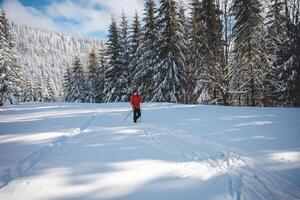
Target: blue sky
point(76, 17)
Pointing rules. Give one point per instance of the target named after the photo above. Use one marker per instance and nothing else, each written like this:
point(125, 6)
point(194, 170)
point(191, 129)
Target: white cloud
point(78, 18)
point(21, 14)
point(72, 16)
point(116, 6)
point(92, 15)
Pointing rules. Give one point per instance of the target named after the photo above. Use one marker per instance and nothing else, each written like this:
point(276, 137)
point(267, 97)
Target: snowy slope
point(44, 53)
point(87, 151)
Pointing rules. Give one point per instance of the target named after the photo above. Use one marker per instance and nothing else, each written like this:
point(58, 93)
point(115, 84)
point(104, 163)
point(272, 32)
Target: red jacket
point(135, 101)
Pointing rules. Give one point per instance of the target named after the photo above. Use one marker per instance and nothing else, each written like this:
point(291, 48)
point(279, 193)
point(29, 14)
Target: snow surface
point(87, 151)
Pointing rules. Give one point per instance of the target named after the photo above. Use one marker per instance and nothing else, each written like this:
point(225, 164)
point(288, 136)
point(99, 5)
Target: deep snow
point(86, 151)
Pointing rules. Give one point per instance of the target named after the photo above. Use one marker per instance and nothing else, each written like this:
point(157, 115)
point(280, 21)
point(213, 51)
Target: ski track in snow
point(245, 176)
point(29, 161)
point(244, 181)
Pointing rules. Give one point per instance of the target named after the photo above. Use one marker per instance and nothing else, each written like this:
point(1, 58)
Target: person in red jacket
point(135, 101)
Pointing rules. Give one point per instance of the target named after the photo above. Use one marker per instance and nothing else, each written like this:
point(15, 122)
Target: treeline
point(215, 52)
point(11, 80)
point(34, 62)
point(239, 52)
point(44, 57)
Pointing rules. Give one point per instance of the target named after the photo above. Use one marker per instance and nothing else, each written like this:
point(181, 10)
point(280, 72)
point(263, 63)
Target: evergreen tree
point(276, 34)
point(248, 70)
point(136, 36)
point(170, 73)
point(92, 76)
point(79, 88)
point(197, 45)
point(125, 50)
point(4, 62)
point(29, 91)
point(67, 85)
point(100, 82)
point(185, 33)
point(296, 47)
point(289, 68)
point(17, 76)
point(215, 69)
point(114, 73)
point(10, 79)
point(52, 95)
point(226, 50)
point(135, 51)
point(146, 58)
point(40, 91)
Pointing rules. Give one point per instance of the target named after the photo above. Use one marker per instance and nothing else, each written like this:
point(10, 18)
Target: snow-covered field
point(86, 151)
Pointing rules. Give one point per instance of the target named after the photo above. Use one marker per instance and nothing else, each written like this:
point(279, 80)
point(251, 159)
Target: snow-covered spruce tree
point(116, 83)
point(79, 87)
point(40, 92)
point(248, 67)
point(135, 53)
point(126, 76)
point(215, 69)
point(276, 35)
point(170, 73)
point(96, 66)
point(67, 85)
point(185, 33)
point(4, 62)
point(10, 78)
point(135, 36)
point(146, 58)
point(100, 82)
point(52, 95)
point(197, 46)
point(296, 47)
point(289, 76)
point(17, 74)
point(28, 94)
point(93, 66)
point(227, 24)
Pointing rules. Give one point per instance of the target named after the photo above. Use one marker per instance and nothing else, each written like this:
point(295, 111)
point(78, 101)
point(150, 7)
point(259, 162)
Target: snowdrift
point(87, 151)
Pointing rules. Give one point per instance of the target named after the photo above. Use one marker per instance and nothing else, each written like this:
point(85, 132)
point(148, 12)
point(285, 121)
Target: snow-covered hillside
point(87, 151)
point(44, 53)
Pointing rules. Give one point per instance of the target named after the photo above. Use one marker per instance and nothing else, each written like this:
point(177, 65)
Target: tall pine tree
point(40, 89)
point(248, 66)
point(28, 94)
point(214, 65)
point(79, 87)
point(93, 66)
point(51, 90)
point(10, 79)
point(135, 51)
point(115, 74)
point(67, 84)
point(170, 73)
point(276, 35)
point(125, 50)
point(146, 59)
point(100, 81)
point(289, 70)
point(197, 44)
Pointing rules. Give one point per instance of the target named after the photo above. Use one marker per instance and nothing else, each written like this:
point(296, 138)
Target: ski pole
point(127, 115)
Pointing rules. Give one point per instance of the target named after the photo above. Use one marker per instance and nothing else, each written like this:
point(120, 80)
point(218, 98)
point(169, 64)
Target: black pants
point(136, 114)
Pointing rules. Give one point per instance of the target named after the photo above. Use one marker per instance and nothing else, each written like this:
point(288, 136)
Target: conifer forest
point(223, 52)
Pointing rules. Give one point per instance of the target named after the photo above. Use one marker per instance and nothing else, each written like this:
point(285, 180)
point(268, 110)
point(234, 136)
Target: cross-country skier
point(135, 101)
